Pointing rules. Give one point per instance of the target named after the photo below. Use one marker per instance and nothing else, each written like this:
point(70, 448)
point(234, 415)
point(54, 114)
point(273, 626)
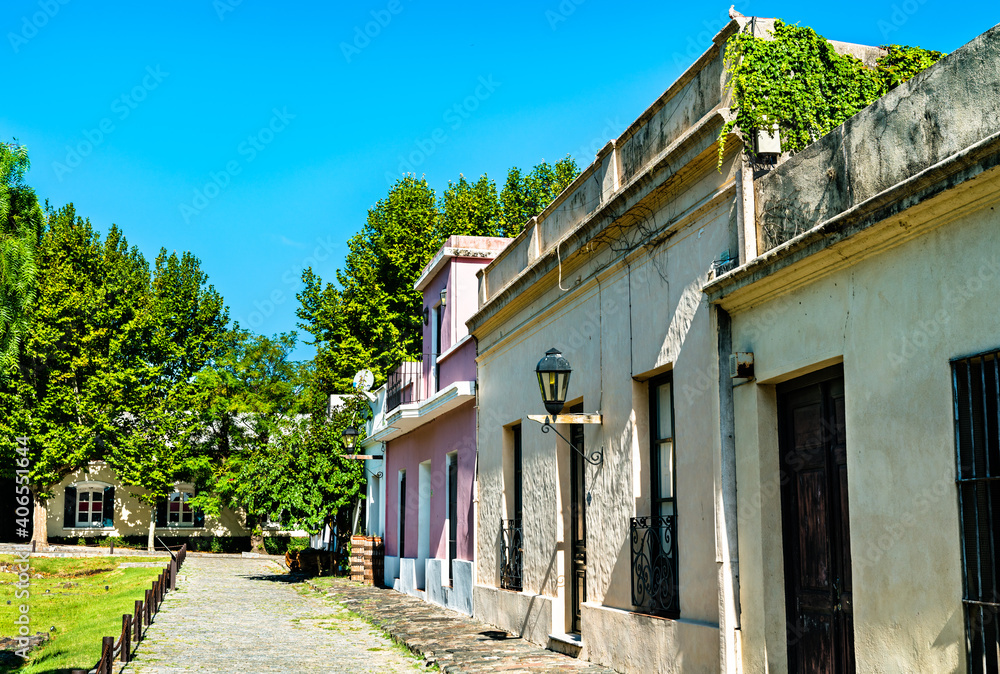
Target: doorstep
point(567, 644)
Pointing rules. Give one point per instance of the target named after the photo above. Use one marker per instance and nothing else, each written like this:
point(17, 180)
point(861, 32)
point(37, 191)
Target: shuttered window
point(976, 383)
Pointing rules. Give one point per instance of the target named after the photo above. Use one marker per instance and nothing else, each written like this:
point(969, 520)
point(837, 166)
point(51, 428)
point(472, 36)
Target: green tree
point(469, 209)
point(73, 362)
point(245, 400)
point(525, 195)
point(183, 329)
point(21, 223)
point(371, 318)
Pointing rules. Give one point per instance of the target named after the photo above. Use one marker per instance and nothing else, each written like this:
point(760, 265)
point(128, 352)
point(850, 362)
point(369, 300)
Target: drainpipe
point(726, 529)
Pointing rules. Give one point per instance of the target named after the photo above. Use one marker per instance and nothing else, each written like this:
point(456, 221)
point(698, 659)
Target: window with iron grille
point(976, 383)
point(653, 539)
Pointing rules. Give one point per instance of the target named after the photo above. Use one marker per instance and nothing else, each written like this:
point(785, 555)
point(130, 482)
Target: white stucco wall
point(894, 319)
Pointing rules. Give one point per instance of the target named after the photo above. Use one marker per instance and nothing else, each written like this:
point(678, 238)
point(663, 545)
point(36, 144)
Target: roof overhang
point(409, 417)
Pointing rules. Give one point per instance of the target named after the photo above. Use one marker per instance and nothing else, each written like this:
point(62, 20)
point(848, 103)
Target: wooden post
point(126, 637)
point(112, 548)
point(173, 575)
point(137, 621)
point(33, 544)
point(149, 600)
point(107, 655)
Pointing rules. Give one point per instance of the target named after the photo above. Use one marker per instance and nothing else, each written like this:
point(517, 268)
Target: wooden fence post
point(149, 600)
point(173, 575)
point(126, 637)
point(107, 655)
point(137, 621)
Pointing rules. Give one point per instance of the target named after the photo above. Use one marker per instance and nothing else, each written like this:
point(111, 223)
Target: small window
point(179, 513)
point(90, 507)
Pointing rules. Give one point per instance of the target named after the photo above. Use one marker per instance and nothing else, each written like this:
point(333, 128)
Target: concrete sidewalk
point(450, 640)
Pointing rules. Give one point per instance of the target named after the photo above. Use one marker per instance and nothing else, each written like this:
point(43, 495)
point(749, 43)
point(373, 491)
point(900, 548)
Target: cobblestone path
point(455, 643)
point(243, 615)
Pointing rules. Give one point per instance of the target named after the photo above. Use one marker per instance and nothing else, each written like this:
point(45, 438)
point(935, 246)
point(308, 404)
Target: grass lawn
point(70, 596)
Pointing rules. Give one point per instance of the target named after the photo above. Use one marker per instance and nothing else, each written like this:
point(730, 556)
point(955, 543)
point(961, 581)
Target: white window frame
point(89, 488)
point(184, 497)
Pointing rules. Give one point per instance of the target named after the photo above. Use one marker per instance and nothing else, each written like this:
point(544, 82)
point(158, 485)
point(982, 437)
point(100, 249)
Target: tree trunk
point(152, 528)
point(256, 535)
point(40, 522)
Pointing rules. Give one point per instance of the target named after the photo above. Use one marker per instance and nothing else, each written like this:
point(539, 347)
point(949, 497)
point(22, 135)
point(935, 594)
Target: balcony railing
point(511, 555)
point(405, 384)
point(654, 565)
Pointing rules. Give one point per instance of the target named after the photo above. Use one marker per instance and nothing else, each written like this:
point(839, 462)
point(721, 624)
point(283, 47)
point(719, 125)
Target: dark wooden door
point(578, 523)
point(815, 525)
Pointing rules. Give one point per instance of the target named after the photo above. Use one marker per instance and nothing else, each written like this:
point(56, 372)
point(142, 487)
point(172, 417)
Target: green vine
point(799, 82)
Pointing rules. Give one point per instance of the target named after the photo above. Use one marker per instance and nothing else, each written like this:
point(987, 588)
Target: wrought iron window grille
point(511, 555)
point(653, 543)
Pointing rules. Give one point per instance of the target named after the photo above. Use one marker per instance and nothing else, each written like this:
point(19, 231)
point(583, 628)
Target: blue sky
point(257, 134)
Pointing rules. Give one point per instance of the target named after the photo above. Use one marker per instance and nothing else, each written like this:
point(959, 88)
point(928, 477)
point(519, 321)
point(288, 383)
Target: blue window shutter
point(109, 506)
point(69, 508)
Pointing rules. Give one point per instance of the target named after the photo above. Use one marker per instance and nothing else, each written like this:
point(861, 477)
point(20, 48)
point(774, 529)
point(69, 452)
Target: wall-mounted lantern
point(350, 437)
point(444, 296)
point(553, 372)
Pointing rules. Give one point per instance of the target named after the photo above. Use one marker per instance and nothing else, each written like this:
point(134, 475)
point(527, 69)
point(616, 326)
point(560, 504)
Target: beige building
point(620, 553)
point(92, 503)
point(870, 306)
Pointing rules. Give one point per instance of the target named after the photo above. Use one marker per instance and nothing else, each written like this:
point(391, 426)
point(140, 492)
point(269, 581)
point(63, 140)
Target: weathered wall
point(895, 320)
point(941, 111)
point(131, 515)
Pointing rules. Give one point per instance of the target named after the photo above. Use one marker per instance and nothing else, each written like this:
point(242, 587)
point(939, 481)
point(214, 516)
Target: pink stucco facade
point(448, 372)
point(453, 432)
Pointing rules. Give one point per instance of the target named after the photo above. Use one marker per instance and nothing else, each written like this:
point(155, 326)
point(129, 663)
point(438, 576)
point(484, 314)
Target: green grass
point(71, 597)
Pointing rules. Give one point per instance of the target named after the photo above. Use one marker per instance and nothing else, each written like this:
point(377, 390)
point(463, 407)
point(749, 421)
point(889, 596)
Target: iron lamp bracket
point(595, 458)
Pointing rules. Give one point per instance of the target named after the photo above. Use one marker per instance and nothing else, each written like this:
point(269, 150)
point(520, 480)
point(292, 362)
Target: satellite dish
point(364, 380)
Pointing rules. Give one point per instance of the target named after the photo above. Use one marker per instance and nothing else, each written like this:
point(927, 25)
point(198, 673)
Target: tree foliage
point(21, 222)
point(798, 83)
point(371, 317)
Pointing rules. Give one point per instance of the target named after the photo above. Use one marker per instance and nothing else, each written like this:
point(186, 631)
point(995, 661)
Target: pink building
point(420, 494)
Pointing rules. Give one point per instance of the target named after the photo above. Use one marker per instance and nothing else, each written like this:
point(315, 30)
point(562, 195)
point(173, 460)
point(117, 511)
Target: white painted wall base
point(391, 571)
point(458, 596)
point(411, 576)
point(521, 613)
point(644, 643)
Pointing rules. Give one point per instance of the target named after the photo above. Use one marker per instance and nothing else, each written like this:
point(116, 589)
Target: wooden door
point(578, 523)
point(815, 525)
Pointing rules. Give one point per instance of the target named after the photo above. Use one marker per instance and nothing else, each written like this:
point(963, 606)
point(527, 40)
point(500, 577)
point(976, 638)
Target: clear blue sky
point(129, 108)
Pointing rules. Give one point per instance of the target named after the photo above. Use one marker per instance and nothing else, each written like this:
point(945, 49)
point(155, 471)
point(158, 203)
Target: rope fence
point(134, 625)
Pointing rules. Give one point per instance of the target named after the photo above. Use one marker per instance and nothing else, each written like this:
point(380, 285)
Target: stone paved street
point(243, 615)
point(450, 640)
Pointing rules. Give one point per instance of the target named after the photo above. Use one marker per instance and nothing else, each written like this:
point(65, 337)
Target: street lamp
point(553, 379)
point(553, 372)
point(350, 436)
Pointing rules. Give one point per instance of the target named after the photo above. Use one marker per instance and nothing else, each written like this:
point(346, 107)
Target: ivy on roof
point(800, 83)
